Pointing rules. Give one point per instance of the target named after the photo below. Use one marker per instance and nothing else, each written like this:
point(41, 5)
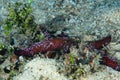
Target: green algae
point(20, 17)
point(71, 59)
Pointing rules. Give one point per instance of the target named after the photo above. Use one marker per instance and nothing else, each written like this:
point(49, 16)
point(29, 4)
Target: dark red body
point(100, 43)
point(105, 59)
point(110, 62)
point(59, 43)
point(45, 46)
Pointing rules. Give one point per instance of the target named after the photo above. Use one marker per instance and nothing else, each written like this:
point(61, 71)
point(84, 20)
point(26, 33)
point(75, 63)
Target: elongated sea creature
point(99, 43)
point(51, 44)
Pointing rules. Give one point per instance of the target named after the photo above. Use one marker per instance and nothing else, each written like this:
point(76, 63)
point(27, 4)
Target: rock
point(115, 46)
point(41, 69)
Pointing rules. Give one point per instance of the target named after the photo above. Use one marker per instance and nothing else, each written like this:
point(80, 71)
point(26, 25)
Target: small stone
point(13, 59)
point(3, 51)
point(7, 69)
point(2, 60)
point(21, 58)
point(12, 41)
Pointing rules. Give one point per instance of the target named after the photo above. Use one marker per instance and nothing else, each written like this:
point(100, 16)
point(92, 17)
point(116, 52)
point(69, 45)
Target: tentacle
point(99, 43)
point(110, 62)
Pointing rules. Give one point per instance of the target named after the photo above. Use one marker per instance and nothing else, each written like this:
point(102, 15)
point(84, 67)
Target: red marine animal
point(110, 62)
point(105, 60)
point(99, 43)
point(51, 44)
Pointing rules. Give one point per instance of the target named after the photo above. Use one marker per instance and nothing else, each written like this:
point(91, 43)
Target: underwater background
point(25, 22)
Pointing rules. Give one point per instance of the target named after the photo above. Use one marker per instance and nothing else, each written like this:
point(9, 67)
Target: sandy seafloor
point(84, 17)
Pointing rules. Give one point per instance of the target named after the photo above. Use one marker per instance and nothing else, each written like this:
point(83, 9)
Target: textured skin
point(100, 43)
point(110, 62)
point(52, 44)
point(105, 60)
